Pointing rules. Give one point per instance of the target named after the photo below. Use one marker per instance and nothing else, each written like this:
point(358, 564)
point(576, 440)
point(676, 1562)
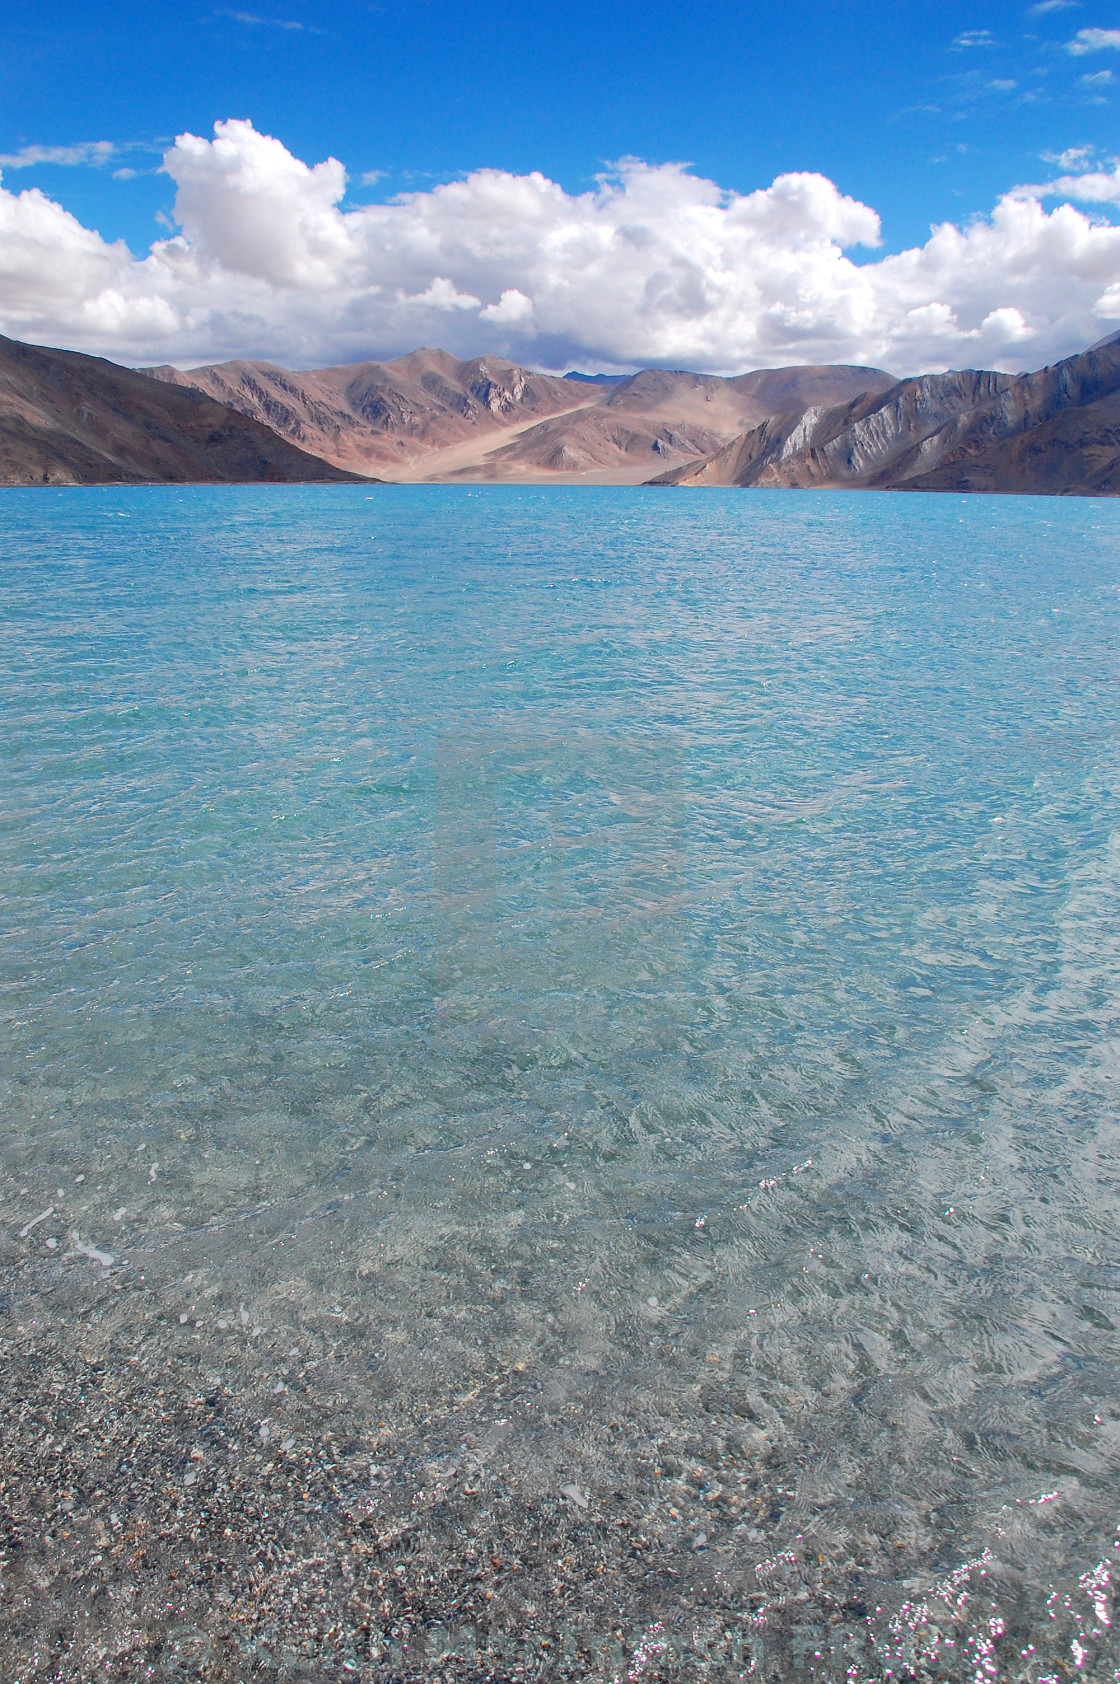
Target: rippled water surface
point(563, 1047)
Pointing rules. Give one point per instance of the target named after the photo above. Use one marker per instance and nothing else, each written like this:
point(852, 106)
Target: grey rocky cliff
point(1053, 432)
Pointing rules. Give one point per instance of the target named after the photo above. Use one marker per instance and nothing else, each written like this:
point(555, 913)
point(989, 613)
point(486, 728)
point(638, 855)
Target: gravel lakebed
point(211, 1491)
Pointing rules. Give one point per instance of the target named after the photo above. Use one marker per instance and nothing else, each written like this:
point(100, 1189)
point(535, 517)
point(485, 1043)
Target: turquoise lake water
point(629, 978)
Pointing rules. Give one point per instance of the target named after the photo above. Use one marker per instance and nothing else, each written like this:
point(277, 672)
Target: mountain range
point(430, 416)
point(70, 419)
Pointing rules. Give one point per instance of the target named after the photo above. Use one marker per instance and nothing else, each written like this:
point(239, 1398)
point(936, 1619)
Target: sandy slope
point(470, 456)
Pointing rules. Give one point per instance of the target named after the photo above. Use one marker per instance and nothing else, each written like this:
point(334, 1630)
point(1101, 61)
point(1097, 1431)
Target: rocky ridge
point(1054, 432)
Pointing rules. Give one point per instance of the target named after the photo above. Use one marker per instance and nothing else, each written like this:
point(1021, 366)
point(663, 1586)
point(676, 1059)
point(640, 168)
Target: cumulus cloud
point(512, 306)
point(653, 266)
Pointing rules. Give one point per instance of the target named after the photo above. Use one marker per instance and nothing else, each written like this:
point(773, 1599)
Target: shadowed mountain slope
point(1055, 432)
point(69, 419)
point(432, 416)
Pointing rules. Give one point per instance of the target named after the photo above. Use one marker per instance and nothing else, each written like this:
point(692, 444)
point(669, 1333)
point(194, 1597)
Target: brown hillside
point(68, 419)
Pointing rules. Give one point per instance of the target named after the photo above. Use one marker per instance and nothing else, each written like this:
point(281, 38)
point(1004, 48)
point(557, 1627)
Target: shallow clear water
point(534, 989)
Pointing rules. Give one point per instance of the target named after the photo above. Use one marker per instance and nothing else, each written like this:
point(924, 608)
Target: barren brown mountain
point(68, 419)
point(1055, 432)
point(387, 418)
point(430, 416)
point(662, 414)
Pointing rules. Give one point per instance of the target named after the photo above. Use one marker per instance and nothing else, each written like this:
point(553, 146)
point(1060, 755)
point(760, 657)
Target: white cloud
point(1093, 41)
point(441, 295)
point(252, 20)
point(94, 152)
point(512, 306)
point(248, 206)
point(1045, 6)
point(1097, 79)
point(654, 265)
point(975, 38)
point(1094, 187)
point(1073, 158)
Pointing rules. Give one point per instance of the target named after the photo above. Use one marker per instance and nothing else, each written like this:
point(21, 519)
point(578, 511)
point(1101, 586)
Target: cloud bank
point(655, 265)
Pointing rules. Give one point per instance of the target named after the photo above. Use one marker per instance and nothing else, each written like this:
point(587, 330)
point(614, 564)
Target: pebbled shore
point(154, 1519)
point(162, 1519)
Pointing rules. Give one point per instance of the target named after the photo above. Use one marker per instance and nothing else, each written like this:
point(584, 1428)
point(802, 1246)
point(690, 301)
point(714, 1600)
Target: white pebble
point(103, 1257)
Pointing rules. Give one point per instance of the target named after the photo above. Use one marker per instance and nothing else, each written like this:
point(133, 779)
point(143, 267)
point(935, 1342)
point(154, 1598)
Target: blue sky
point(822, 144)
point(924, 111)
